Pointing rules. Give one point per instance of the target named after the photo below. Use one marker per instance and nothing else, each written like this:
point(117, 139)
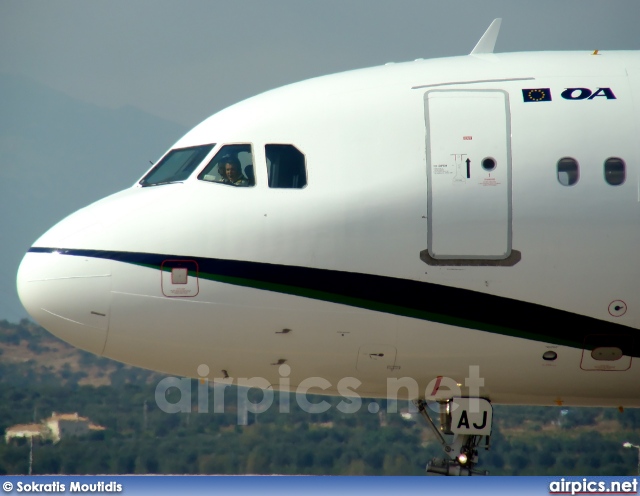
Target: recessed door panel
point(179, 278)
point(469, 173)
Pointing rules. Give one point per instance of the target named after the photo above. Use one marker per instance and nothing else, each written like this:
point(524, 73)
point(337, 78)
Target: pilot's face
point(232, 172)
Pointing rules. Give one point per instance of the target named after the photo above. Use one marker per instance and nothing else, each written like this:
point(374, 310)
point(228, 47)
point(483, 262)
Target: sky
point(184, 60)
point(152, 69)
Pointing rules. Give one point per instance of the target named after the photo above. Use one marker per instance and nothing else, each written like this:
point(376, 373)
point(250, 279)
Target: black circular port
point(489, 164)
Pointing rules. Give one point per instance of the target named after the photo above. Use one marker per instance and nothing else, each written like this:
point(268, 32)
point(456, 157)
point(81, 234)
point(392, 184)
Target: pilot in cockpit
point(230, 171)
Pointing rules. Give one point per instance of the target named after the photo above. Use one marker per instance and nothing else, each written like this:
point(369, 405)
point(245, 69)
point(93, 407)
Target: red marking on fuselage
point(437, 385)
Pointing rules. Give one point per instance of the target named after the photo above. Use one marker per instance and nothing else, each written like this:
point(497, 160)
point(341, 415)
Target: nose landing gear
point(469, 421)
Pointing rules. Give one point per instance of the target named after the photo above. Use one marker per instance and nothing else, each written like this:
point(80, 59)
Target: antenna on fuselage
point(488, 40)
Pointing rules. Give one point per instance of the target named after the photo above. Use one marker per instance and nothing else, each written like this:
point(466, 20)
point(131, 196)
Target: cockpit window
point(286, 166)
point(232, 165)
point(177, 165)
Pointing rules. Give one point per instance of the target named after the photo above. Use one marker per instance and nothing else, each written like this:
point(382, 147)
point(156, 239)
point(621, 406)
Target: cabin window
point(568, 171)
point(232, 165)
point(177, 165)
point(286, 166)
point(614, 171)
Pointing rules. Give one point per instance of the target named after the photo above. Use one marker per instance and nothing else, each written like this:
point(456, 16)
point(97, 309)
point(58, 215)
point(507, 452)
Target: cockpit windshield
point(232, 165)
point(177, 165)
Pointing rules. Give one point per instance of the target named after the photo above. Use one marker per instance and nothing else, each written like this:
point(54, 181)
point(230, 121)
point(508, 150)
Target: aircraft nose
point(67, 295)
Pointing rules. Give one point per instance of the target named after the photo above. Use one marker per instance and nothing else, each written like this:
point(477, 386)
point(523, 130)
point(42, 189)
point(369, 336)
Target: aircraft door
point(469, 176)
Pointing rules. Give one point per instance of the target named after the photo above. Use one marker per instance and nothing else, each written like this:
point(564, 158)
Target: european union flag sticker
point(537, 95)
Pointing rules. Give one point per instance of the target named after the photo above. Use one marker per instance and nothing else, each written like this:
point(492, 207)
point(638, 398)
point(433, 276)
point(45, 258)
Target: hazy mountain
point(58, 154)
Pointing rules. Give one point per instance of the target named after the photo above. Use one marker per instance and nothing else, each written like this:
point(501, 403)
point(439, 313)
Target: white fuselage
point(382, 267)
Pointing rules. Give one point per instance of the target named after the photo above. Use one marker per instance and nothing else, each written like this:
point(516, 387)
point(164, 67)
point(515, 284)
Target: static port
point(549, 356)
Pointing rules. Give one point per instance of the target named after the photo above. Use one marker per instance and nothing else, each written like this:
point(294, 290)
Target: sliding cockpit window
point(177, 165)
point(286, 167)
point(232, 165)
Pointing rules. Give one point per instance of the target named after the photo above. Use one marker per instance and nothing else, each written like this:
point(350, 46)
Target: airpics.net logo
point(586, 486)
point(175, 395)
